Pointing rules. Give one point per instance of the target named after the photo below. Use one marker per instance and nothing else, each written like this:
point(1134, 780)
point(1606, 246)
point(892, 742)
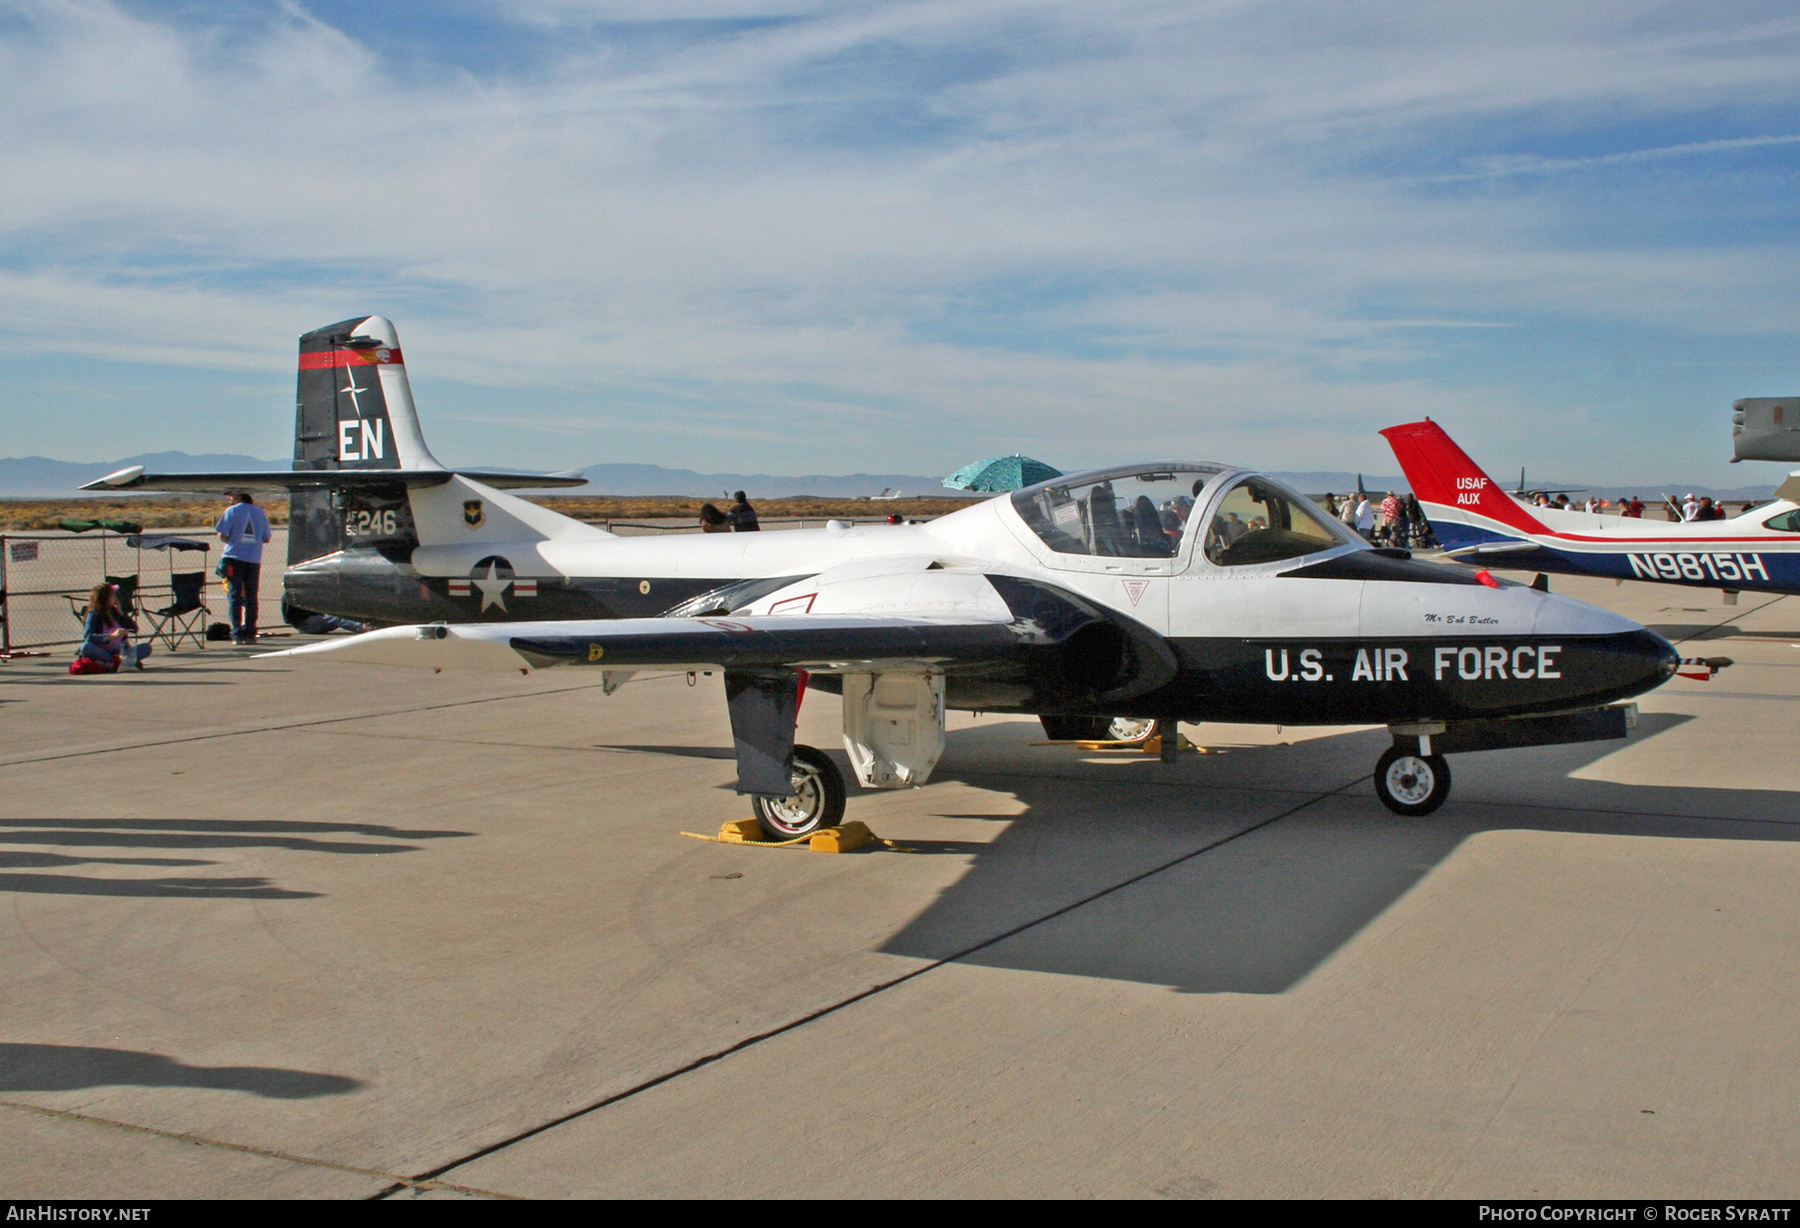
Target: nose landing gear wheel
point(818, 800)
point(1410, 783)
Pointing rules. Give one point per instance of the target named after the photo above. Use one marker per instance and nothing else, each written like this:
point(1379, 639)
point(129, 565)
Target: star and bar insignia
point(492, 577)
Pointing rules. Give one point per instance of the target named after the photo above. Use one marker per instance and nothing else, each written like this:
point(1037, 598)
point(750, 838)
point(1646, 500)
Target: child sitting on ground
point(109, 629)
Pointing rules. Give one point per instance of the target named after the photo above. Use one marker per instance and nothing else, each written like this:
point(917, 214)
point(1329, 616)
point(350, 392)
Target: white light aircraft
point(1475, 519)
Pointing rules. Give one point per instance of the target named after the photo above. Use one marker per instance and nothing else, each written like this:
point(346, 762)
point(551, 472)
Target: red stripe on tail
point(325, 359)
point(1440, 472)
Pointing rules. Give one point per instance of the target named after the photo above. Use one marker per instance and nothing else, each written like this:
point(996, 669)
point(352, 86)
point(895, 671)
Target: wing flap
point(820, 644)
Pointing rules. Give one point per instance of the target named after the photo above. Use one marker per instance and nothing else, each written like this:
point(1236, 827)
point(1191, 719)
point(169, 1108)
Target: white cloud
point(1531, 164)
point(993, 219)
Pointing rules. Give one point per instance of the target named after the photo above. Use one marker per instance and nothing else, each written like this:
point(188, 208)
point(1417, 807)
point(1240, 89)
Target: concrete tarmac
point(327, 931)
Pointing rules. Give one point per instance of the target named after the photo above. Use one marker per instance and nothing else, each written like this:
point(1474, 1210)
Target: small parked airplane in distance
point(1529, 493)
point(1163, 591)
point(1477, 521)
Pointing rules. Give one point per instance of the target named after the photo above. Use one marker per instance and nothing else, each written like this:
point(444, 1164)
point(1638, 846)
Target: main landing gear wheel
point(1130, 729)
point(818, 800)
point(1098, 728)
point(1411, 783)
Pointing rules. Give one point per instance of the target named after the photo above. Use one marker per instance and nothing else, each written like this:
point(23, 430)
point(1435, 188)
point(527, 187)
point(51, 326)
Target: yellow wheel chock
point(840, 839)
point(1149, 746)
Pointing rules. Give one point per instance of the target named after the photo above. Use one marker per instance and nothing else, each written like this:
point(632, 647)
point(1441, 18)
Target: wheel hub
point(1129, 729)
point(1410, 780)
point(799, 811)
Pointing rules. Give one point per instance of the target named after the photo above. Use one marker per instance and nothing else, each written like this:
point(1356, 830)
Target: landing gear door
point(893, 727)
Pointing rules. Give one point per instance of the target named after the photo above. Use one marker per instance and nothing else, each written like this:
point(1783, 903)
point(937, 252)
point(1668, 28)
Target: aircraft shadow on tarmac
point(1257, 912)
point(302, 837)
point(684, 752)
point(62, 1068)
point(1681, 633)
point(138, 680)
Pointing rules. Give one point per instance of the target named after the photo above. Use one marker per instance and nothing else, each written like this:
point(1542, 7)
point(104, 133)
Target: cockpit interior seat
point(1105, 535)
point(1147, 527)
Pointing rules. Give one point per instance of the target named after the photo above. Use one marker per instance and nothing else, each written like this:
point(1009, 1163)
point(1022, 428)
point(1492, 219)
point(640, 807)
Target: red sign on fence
point(24, 552)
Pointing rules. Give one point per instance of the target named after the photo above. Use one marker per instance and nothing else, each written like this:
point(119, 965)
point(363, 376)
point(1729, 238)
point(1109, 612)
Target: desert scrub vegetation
point(198, 511)
point(151, 511)
point(679, 507)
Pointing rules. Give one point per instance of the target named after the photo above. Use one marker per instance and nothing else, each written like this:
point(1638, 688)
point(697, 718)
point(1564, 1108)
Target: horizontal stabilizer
point(1491, 548)
point(135, 478)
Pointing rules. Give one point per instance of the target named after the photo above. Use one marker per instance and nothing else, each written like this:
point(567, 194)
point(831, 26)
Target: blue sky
point(797, 237)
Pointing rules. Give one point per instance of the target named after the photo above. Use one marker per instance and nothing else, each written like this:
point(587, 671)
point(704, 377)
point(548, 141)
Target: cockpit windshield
point(1125, 514)
point(1260, 522)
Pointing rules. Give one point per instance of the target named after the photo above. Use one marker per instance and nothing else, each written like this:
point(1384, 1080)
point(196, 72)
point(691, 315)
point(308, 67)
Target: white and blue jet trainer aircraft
point(1475, 519)
point(1158, 592)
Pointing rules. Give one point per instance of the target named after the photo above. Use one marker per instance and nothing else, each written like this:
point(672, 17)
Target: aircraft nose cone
point(1605, 669)
point(1609, 656)
point(1657, 658)
point(1622, 665)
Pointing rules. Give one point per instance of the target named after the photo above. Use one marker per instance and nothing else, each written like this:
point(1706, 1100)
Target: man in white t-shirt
point(1690, 508)
point(1365, 517)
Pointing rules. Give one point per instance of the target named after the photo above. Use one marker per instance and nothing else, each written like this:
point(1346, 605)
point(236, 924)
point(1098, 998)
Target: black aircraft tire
point(1075, 728)
point(818, 800)
point(1097, 728)
point(1411, 784)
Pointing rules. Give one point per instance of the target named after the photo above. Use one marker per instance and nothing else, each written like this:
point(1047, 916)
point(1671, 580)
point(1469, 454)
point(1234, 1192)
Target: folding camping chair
point(183, 618)
point(127, 586)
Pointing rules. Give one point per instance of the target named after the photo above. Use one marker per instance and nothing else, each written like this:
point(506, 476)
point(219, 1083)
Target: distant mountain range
point(38, 477)
point(655, 480)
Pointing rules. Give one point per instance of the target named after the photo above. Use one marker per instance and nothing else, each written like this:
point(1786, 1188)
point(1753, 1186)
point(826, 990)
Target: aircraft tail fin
point(358, 450)
point(353, 411)
point(355, 417)
point(1442, 474)
point(354, 403)
point(356, 412)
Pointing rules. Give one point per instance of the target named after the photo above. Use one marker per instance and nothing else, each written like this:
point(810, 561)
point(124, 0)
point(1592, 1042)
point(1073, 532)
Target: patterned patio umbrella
point(1001, 473)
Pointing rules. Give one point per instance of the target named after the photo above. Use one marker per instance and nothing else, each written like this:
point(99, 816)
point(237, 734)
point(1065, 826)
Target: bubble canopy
point(1146, 511)
point(1140, 512)
point(1262, 521)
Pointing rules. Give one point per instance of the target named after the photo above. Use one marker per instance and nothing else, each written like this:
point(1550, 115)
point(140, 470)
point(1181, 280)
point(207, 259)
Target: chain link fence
point(45, 579)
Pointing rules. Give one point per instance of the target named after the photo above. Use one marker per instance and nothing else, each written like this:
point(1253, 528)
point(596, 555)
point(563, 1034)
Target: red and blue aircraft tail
point(1462, 502)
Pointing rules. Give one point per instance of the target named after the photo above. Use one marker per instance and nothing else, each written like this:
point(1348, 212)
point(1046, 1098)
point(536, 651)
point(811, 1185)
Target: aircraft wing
point(815, 643)
point(135, 478)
